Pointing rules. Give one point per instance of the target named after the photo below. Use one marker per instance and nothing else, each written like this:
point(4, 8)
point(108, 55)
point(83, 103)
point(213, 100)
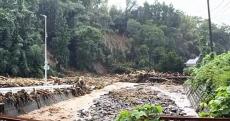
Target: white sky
point(220, 9)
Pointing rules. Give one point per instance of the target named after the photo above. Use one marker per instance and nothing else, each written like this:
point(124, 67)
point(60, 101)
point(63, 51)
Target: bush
point(147, 112)
point(120, 69)
point(170, 62)
point(188, 70)
point(215, 74)
point(220, 105)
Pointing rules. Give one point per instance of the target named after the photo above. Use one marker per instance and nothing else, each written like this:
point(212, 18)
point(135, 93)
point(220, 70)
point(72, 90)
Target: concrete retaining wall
point(14, 109)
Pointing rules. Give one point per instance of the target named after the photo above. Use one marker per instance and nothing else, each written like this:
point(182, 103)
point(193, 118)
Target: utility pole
point(46, 67)
point(210, 27)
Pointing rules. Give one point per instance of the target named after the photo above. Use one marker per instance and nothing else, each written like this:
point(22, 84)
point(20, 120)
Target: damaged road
point(107, 107)
point(104, 104)
point(68, 110)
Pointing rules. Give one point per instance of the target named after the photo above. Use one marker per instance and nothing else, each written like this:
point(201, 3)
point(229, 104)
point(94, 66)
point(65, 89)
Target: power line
point(220, 10)
point(218, 5)
point(227, 4)
point(223, 9)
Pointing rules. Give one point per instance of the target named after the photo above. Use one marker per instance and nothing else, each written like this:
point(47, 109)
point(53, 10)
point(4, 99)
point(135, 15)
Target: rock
point(83, 113)
point(174, 110)
point(108, 106)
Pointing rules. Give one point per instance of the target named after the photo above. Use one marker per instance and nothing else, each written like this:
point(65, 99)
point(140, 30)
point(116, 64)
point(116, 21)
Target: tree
point(133, 28)
point(18, 32)
point(155, 36)
point(60, 42)
point(170, 62)
point(86, 47)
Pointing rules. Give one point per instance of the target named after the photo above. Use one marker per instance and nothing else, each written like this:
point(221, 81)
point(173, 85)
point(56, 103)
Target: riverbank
point(104, 104)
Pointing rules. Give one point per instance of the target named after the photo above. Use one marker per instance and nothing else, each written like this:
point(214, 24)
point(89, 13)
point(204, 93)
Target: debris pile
point(95, 82)
point(21, 100)
point(152, 76)
point(108, 106)
point(19, 82)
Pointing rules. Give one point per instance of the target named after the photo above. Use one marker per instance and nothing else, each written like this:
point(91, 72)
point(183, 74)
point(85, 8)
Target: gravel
point(107, 107)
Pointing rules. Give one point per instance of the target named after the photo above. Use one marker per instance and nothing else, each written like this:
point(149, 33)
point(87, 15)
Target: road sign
point(46, 67)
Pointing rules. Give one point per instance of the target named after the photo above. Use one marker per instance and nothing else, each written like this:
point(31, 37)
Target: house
point(192, 62)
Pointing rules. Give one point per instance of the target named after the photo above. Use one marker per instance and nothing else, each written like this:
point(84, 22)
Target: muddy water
point(176, 93)
point(66, 110)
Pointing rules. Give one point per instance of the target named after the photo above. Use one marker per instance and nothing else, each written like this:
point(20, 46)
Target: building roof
point(192, 61)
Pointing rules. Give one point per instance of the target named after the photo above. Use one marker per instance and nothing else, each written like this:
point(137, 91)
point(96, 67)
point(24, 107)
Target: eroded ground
point(110, 94)
point(104, 104)
point(68, 110)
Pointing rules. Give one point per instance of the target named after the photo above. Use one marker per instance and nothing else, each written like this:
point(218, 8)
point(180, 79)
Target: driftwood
point(144, 76)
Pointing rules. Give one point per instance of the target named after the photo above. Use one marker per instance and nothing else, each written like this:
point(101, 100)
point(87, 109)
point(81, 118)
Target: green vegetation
point(214, 73)
point(145, 112)
point(81, 35)
point(156, 36)
point(219, 105)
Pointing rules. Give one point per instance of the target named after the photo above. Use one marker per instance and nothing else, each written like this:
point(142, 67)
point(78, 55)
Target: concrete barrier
point(21, 106)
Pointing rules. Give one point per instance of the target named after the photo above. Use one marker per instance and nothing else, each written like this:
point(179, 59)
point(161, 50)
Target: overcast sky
point(220, 9)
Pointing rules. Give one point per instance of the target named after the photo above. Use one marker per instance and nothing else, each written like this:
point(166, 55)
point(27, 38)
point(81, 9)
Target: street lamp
point(46, 67)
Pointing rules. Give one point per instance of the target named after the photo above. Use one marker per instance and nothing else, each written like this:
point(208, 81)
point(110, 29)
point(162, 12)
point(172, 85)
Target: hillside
point(86, 35)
